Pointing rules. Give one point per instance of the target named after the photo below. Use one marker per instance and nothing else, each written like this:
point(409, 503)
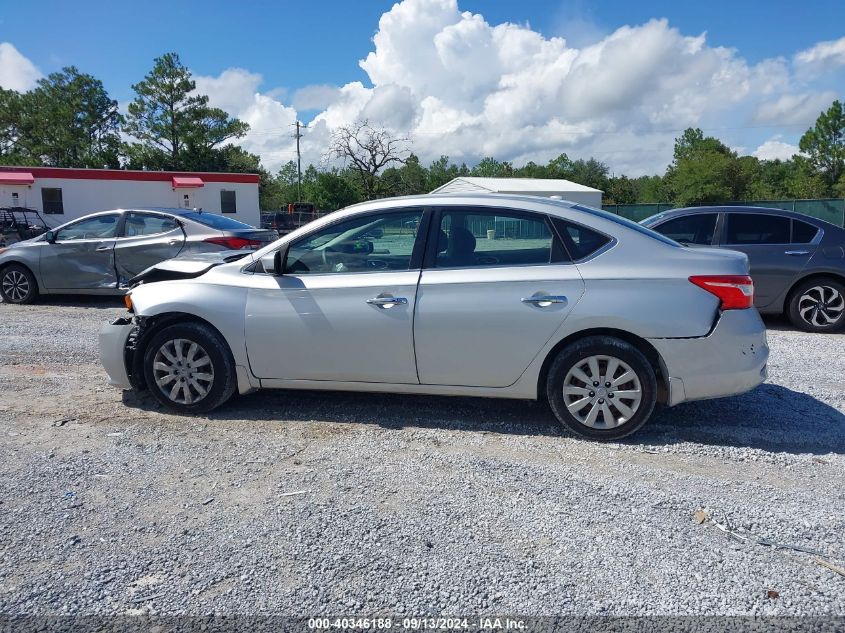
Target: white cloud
point(774, 149)
point(235, 90)
point(792, 109)
point(822, 56)
point(16, 71)
point(457, 85)
point(315, 97)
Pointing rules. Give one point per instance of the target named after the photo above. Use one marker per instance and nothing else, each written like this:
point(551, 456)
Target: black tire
point(571, 358)
point(814, 301)
point(213, 346)
point(18, 285)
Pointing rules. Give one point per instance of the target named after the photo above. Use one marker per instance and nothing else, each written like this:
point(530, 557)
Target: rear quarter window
point(579, 241)
point(802, 232)
point(626, 223)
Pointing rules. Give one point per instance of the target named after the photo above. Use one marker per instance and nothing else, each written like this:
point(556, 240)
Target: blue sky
point(287, 46)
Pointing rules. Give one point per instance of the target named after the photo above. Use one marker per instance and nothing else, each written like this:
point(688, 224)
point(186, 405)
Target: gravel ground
point(329, 503)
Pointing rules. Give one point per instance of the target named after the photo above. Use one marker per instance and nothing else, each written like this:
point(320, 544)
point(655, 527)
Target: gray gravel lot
point(329, 503)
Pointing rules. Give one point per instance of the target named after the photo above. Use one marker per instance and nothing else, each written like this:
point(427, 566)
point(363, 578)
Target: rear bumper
point(113, 339)
point(728, 361)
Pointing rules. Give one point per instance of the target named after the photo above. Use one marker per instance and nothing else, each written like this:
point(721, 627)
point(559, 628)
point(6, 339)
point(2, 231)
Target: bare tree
point(367, 150)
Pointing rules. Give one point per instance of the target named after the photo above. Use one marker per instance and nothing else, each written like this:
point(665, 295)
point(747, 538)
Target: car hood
point(33, 241)
point(187, 267)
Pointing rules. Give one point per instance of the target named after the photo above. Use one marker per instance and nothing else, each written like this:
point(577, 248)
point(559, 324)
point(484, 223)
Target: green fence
point(829, 209)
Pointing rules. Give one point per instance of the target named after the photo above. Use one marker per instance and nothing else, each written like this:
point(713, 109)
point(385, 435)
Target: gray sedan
point(797, 261)
point(101, 252)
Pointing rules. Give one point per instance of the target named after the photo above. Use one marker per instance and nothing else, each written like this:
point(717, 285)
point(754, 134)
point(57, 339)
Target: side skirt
point(378, 387)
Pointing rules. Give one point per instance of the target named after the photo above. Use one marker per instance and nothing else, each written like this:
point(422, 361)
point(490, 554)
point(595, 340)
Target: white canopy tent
point(544, 187)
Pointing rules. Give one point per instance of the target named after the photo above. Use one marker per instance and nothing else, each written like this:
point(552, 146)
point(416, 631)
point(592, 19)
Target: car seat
point(459, 248)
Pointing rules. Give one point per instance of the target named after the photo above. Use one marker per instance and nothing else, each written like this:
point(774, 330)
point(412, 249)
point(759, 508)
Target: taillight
point(736, 292)
point(235, 243)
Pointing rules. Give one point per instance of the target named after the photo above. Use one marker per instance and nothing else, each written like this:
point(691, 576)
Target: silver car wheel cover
point(821, 306)
point(183, 371)
point(15, 285)
point(602, 392)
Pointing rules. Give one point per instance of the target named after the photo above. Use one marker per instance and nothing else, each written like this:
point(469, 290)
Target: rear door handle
point(386, 303)
point(796, 252)
point(174, 242)
point(544, 300)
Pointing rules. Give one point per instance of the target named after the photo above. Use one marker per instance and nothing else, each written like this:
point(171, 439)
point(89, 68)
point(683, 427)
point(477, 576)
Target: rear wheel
point(17, 284)
point(818, 305)
point(601, 388)
point(189, 368)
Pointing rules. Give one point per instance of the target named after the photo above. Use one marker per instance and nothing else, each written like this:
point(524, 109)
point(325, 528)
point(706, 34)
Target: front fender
point(222, 306)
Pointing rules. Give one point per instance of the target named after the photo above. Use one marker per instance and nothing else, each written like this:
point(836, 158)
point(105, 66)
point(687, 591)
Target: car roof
point(432, 198)
point(738, 209)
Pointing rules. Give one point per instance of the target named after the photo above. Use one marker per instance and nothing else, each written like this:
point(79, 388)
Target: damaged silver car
point(101, 252)
point(465, 295)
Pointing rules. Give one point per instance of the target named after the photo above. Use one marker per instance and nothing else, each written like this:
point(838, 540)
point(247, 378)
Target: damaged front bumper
point(114, 338)
point(728, 361)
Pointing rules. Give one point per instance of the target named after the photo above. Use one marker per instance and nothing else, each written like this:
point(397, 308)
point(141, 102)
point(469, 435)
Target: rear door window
point(756, 228)
point(139, 224)
point(478, 237)
point(690, 229)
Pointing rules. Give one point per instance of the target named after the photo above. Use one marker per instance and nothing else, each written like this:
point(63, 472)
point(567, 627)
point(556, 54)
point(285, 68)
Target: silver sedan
point(492, 296)
point(101, 252)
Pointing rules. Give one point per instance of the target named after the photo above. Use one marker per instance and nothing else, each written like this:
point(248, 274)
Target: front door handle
point(386, 303)
point(544, 300)
point(101, 249)
point(796, 252)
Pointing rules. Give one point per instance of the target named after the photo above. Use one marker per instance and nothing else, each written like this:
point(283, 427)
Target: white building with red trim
point(66, 194)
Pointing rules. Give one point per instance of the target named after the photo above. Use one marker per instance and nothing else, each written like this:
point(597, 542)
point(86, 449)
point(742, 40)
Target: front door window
point(373, 243)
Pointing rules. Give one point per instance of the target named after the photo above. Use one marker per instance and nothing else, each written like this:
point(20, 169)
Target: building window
point(227, 202)
point(51, 200)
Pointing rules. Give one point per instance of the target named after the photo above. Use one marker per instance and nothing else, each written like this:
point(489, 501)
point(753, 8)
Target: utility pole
point(298, 135)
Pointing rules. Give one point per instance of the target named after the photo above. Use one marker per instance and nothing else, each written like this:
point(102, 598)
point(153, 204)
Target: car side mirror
point(273, 264)
point(50, 236)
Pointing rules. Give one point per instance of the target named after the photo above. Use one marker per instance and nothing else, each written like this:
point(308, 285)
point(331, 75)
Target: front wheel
point(818, 305)
point(189, 368)
point(601, 388)
point(18, 285)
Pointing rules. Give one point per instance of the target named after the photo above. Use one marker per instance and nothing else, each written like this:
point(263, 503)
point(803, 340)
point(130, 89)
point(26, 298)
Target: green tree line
point(69, 120)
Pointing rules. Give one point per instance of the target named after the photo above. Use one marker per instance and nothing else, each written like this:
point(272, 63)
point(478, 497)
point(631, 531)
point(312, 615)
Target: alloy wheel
point(602, 392)
point(183, 371)
point(821, 306)
point(15, 285)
